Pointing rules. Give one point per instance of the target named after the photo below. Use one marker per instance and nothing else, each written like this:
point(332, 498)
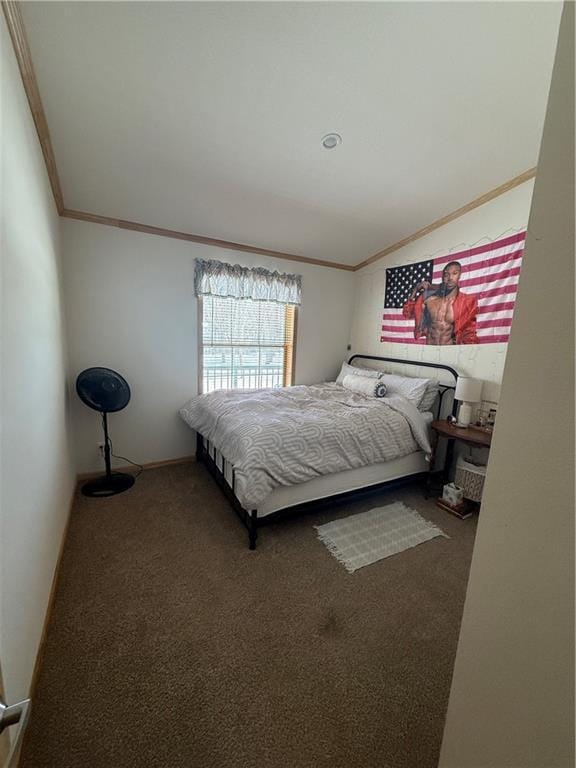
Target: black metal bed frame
point(206, 454)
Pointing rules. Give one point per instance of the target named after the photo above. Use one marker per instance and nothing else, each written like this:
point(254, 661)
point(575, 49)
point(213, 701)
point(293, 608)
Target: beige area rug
point(364, 539)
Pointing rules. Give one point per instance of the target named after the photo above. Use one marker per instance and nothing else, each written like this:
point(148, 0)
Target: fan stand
point(112, 482)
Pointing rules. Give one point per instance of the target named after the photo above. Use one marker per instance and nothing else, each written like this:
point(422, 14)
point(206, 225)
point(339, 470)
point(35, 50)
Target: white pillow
point(364, 385)
point(411, 388)
point(353, 370)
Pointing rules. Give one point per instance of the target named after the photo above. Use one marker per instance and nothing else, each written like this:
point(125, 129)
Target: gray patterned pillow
point(429, 396)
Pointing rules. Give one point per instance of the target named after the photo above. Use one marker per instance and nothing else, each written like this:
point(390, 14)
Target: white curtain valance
point(217, 278)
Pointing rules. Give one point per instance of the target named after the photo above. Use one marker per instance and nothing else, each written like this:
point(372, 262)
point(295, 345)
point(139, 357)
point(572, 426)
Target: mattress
point(342, 482)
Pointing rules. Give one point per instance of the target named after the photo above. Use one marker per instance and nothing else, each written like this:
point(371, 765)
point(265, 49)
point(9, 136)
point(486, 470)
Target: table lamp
point(468, 391)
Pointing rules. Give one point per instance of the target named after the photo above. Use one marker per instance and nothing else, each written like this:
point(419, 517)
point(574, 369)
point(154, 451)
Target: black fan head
point(103, 389)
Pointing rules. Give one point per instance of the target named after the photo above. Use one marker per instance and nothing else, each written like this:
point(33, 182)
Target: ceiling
point(208, 117)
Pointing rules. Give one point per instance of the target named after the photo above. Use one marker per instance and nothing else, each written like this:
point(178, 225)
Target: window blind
point(246, 344)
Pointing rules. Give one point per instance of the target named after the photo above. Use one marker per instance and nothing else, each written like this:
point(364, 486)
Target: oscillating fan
point(105, 391)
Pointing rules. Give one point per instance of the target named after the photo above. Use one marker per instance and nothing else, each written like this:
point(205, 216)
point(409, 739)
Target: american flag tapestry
point(460, 298)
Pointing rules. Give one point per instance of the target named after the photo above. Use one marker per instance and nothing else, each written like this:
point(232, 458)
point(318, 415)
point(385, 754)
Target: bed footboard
point(219, 468)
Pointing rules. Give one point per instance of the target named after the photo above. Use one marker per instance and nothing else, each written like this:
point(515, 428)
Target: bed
point(282, 451)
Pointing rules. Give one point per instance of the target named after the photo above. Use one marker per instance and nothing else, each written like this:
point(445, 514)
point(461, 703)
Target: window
point(248, 319)
point(246, 344)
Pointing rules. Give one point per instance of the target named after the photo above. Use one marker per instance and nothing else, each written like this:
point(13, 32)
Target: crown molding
point(17, 32)
point(161, 232)
point(476, 203)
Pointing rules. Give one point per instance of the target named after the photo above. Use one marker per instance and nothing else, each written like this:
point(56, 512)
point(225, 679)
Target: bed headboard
point(446, 376)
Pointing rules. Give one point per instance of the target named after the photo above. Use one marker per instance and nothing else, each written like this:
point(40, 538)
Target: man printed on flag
point(443, 314)
point(465, 297)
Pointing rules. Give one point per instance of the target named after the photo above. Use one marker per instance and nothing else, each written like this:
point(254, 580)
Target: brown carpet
point(172, 645)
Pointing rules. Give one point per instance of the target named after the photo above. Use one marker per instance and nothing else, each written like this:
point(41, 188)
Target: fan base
point(108, 485)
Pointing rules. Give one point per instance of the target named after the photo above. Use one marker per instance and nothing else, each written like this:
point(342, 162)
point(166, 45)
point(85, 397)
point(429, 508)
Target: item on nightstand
point(485, 430)
point(468, 391)
point(470, 477)
point(461, 510)
point(452, 494)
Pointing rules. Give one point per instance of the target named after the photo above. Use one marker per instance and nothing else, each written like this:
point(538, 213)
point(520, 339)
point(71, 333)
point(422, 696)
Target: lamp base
point(108, 485)
point(464, 415)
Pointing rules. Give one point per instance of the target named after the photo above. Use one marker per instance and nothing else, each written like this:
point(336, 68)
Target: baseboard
point(49, 608)
point(130, 468)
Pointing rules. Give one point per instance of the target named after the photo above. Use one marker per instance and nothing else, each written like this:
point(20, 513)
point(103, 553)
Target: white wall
point(130, 306)
point(36, 474)
point(481, 361)
point(512, 698)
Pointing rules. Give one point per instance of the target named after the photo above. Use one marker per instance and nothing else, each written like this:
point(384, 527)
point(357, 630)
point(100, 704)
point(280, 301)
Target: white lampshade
point(468, 390)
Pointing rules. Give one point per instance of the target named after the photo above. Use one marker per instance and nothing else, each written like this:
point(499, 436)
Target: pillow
point(364, 385)
point(429, 396)
point(411, 388)
point(353, 370)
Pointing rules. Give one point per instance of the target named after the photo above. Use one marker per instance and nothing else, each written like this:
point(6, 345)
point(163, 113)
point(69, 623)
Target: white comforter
point(287, 436)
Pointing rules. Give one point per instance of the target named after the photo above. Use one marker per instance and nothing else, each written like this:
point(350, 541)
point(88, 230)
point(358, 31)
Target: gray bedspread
point(287, 436)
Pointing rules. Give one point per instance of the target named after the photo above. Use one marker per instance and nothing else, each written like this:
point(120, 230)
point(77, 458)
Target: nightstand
point(473, 436)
